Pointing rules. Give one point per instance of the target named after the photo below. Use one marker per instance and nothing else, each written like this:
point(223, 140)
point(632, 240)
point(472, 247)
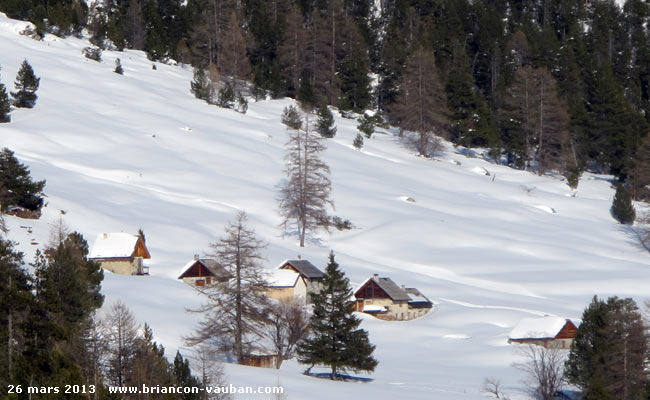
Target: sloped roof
point(211, 265)
point(305, 268)
point(393, 291)
point(538, 328)
point(416, 296)
point(281, 278)
point(114, 245)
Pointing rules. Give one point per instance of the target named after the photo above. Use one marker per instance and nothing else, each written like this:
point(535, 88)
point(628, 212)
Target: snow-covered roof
point(416, 296)
point(281, 278)
point(114, 245)
point(210, 264)
point(391, 289)
point(538, 328)
point(373, 308)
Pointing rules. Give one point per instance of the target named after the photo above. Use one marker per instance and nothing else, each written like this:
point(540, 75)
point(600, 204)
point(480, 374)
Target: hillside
point(139, 151)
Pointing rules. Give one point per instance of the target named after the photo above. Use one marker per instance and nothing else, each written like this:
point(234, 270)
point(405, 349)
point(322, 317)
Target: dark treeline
point(548, 85)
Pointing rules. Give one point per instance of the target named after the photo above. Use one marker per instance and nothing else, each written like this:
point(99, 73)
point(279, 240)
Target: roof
point(416, 296)
point(210, 264)
point(305, 268)
point(538, 328)
point(114, 245)
point(281, 278)
point(393, 291)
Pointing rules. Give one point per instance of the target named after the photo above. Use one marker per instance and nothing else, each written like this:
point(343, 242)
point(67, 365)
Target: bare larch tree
point(305, 194)
point(422, 104)
point(234, 313)
point(544, 368)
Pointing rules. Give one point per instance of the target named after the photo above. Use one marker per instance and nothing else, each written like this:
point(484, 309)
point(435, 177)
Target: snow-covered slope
point(139, 151)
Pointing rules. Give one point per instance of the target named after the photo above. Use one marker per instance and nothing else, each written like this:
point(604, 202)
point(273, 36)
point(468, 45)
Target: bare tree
point(121, 336)
point(422, 102)
point(493, 386)
point(305, 194)
point(233, 314)
point(287, 324)
point(206, 359)
point(544, 368)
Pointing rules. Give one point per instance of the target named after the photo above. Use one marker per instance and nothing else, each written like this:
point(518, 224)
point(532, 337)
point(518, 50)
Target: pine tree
point(26, 85)
point(640, 176)
point(184, 378)
point(5, 105)
point(291, 118)
point(609, 353)
point(325, 122)
point(16, 185)
point(366, 125)
point(118, 67)
point(358, 142)
point(622, 208)
point(15, 300)
point(201, 85)
point(336, 340)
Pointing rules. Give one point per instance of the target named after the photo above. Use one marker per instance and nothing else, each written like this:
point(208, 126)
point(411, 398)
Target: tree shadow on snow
point(339, 377)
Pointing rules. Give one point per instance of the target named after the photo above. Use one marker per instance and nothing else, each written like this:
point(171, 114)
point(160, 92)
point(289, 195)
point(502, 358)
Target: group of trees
point(548, 85)
point(238, 316)
point(25, 95)
point(607, 360)
point(51, 337)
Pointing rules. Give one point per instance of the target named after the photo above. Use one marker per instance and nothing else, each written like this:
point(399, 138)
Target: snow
point(373, 308)
point(538, 328)
point(121, 153)
point(109, 245)
point(281, 277)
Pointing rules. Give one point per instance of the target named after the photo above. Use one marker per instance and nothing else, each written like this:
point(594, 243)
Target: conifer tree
point(16, 185)
point(26, 85)
point(305, 194)
point(325, 122)
point(622, 208)
point(358, 142)
point(201, 85)
point(336, 341)
point(609, 353)
point(184, 378)
point(234, 313)
point(291, 118)
point(366, 125)
point(118, 67)
point(5, 105)
point(422, 104)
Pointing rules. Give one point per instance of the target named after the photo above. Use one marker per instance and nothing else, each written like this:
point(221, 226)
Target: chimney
point(105, 235)
point(196, 257)
point(299, 257)
point(375, 277)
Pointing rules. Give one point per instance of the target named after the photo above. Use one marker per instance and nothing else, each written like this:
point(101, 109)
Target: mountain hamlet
point(395, 199)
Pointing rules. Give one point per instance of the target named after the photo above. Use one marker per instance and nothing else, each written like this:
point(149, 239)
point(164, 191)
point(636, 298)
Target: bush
point(118, 67)
point(366, 125)
point(242, 103)
point(341, 224)
point(92, 53)
point(358, 141)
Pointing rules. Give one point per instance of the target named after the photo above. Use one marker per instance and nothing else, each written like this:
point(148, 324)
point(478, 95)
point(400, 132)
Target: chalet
point(386, 300)
point(286, 284)
point(546, 331)
point(203, 272)
point(308, 272)
point(263, 360)
point(120, 253)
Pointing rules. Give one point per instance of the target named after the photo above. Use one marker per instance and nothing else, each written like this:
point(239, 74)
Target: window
point(200, 282)
point(207, 280)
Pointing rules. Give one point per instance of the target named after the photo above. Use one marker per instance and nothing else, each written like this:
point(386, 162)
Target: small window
point(200, 282)
point(207, 280)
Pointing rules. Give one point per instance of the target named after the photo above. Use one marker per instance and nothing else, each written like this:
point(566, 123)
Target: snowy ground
point(139, 151)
